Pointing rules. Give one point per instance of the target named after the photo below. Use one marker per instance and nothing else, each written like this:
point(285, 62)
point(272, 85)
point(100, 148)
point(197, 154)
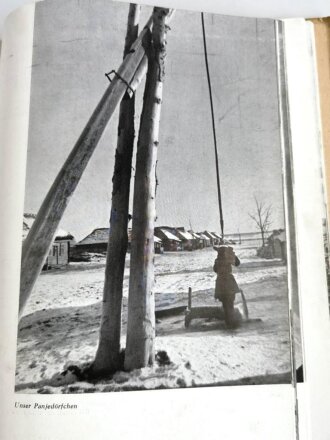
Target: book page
point(306, 135)
point(60, 323)
point(322, 43)
point(15, 74)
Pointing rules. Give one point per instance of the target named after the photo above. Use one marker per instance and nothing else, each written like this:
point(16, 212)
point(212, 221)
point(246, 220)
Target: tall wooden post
point(189, 298)
point(141, 303)
point(39, 239)
point(107, 358)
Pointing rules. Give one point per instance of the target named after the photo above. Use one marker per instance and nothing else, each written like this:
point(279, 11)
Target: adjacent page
point(322, 44)
point(310, 207)
point(238, 68)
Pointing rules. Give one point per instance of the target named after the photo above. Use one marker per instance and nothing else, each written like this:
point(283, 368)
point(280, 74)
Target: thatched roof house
point(95, 242)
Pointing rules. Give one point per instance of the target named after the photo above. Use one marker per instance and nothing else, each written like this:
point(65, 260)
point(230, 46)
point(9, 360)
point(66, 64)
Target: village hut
point(219, 238)
point(186, 238)
point(95, 242)
point(59, 252)
point(28, 220)
point(159, 249)
point(276, 246)
point(158, 244)
point(279, 244)
point(170, 241)
point(198, 241)
point(205, 239)
point(213, 239)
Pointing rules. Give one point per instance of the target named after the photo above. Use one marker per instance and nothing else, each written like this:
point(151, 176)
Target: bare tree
point(141, 302)
point(107, 358)
point(262, 217)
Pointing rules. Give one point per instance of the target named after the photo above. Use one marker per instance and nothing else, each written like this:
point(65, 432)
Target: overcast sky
point(246, 8)
point(76, 42)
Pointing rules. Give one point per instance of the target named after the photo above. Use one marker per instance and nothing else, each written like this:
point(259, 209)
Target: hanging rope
point(213, 128)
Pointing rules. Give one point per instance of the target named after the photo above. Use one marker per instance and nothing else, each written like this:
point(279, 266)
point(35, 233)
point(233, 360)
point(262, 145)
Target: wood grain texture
point(107, 358)
point(141, 302)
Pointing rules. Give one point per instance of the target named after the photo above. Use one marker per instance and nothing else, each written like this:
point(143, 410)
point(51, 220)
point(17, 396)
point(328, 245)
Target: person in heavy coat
point(226, 286)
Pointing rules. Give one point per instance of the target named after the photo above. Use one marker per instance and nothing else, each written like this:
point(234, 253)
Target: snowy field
point(61, 323)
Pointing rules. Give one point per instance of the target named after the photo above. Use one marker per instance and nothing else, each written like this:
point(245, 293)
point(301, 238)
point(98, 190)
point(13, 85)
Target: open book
point(164, 225)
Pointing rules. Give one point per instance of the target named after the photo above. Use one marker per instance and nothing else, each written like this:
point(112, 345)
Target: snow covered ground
point(61, 325)
point(81, 284)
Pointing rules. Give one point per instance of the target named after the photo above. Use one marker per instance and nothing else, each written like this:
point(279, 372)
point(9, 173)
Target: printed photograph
point(155, 241)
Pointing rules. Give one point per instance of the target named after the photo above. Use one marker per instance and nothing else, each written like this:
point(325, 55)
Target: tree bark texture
point(143, 67)
point(40, 237)
point(141, 303)
point(107, 357)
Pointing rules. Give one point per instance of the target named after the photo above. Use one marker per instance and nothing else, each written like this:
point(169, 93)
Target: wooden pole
point(107, 357)
point(189, 298)
point(213, 129)
point(143, 67)
point(141, 303)
point(40, 237)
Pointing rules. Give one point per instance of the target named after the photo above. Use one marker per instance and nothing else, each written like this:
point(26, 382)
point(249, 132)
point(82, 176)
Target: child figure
point(226, 286)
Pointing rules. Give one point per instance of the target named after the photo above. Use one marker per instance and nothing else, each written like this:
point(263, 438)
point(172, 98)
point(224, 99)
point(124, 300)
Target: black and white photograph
point(157, 246)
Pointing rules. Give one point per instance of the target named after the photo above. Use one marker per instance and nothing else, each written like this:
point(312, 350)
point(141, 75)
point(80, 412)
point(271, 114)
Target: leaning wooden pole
point(39, 239)
point(107, 357)
point(141, 303)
